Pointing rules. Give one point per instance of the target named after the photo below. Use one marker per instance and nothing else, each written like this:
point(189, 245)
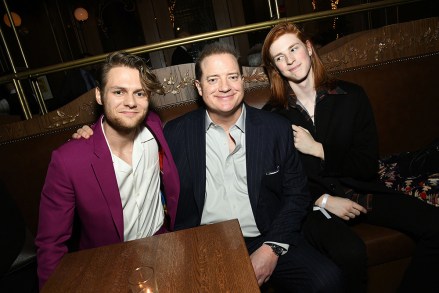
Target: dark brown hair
point(214, 49)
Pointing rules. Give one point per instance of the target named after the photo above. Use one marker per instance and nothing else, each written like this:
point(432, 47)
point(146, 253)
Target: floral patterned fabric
point(424, 186)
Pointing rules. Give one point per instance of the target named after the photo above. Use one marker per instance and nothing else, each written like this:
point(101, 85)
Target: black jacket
point(345, 126)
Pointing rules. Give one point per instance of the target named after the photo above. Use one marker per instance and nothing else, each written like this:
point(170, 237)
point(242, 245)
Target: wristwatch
point(278, 250)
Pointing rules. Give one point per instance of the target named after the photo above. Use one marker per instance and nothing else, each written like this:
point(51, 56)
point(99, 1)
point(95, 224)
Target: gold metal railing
point(34, 73)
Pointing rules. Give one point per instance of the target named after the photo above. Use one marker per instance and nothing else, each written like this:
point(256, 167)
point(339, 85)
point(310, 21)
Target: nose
point(224, 85)
point(290, 59)
point(130, 101)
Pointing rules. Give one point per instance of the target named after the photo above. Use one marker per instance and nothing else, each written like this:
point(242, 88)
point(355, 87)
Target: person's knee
point(329, 279)
point(319, 274)
point(353, 255)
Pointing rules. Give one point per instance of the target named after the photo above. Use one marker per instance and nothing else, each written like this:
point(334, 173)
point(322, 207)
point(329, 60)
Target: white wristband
point(324, 200)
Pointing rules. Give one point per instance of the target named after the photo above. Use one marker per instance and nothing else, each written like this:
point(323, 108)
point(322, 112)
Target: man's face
point(125, 102)
point(221, 86)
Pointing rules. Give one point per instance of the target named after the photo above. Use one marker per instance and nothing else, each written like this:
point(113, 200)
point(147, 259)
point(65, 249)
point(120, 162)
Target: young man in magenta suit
point(107, 189)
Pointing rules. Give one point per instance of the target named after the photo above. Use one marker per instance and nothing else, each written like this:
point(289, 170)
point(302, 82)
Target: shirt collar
point(240, 123)
point(320, 95)
point(144, 135)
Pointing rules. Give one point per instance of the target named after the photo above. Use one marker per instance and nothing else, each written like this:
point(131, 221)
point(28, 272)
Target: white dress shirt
point(226, 178)
point(139, 188)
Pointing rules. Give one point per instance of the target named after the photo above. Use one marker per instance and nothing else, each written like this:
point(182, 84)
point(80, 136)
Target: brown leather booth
point(396, 65)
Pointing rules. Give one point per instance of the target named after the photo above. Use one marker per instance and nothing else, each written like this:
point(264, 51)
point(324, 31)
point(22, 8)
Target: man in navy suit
point(235, 161)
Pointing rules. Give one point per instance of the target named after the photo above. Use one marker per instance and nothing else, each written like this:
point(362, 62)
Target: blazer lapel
point(325, 111)
point(102, 165)
point(196, 152)
point(169, 177)
point(254, 149)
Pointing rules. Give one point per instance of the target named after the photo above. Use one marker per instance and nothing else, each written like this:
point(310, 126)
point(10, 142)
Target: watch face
point(278, 250)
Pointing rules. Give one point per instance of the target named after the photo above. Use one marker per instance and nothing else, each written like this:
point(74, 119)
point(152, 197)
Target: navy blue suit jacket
point(276, 182)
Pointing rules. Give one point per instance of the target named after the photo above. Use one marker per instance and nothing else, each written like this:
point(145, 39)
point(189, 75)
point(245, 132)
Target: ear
point(98, 96)
point(198, 85)
point(242, 80)
point(309, 47)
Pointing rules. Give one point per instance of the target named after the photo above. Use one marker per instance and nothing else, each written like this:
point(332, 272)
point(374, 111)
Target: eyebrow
point(117, 87)
point(289, 47)
point(210, 76)
point(217, 75)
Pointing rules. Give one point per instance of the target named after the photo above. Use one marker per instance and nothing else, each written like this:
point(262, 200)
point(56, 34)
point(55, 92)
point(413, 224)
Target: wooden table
point(210, 258)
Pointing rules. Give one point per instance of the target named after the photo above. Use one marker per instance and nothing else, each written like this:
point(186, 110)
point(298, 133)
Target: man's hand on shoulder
point(264, 261)
point(83, 132)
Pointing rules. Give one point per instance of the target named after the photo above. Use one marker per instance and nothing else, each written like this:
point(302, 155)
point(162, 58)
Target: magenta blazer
point(81, 187)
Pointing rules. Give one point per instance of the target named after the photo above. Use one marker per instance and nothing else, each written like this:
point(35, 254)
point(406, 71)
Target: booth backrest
point(405, 101)
point(397, 66)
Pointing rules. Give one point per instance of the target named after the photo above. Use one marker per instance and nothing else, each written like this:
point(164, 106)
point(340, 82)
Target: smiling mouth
point(294, 68)
point(225, 97)
point(129, 113)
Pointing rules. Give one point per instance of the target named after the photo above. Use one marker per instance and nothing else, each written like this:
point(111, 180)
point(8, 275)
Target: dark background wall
point(49, 33)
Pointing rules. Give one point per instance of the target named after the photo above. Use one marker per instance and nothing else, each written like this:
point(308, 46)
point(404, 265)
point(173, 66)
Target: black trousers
point(401, 212)
point(302, 269)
